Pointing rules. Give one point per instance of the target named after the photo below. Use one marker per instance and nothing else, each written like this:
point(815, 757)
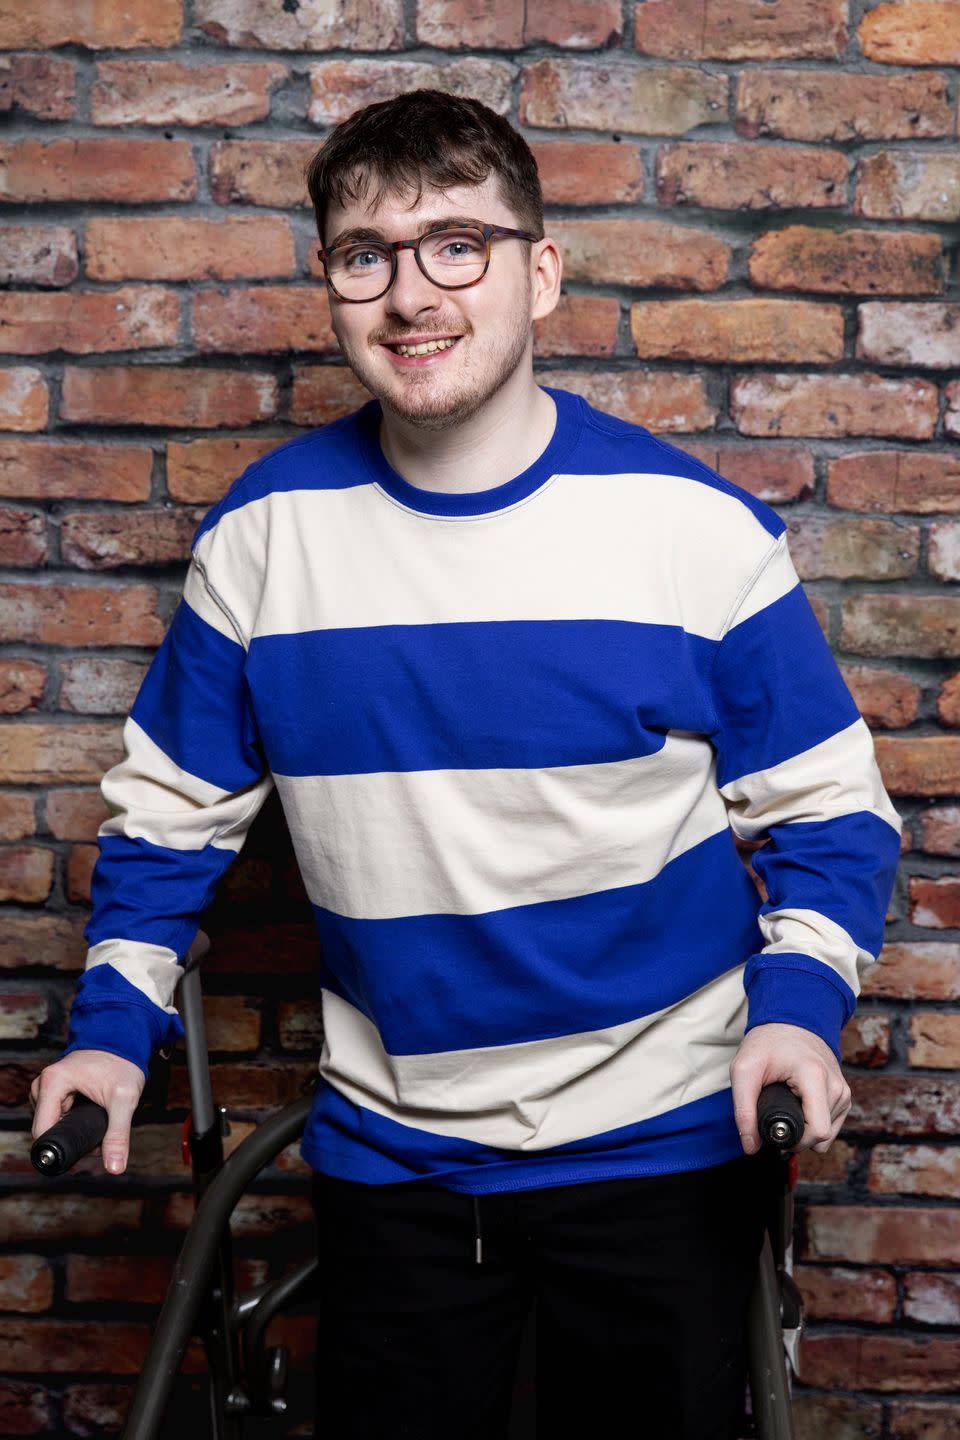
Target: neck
point(501, 441)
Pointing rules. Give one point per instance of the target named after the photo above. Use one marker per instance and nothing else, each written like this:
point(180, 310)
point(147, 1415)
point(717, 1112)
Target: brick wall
point(757, 202)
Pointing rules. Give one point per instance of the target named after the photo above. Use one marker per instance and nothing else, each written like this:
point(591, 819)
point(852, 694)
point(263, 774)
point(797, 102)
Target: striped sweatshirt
point(514, 732)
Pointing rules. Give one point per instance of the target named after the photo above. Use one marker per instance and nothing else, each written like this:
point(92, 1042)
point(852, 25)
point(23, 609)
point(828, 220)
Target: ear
point(546, 267)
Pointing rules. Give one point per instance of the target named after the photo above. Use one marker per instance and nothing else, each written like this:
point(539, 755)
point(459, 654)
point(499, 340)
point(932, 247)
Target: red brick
point(925, 765)
point(924, 1420)
point(866, 1040)
point(940, 830)
point(126, 171)
point(823, 547)
point(101, 1278)
point(903, 624)
point(15, 1083)
point(184, 395)
point(905, 1105)
point(96, 27)
point(167, 92)
point(250, 1087)
point(909, 185)
point(738, 331)
point(36, 1218)
point(39, 85)
point(904, 334)
point(841, 1417)
point(912, 32)
point(831, 105)
point(322, 393)
point(232, 1023)
point(641, 253)
point(932, 1299)
point(99, 685)
point(589, 172)
point(943, 551)
point(201, 470)
point(38, 255)
point(353, 25)
point(17, 817)
point(886, 1235)
point(36, 754)
point(26, 1284)
point(914, 1170)
point(339, 87)
point(38, 470)
point(837, 1293)
point(80, 615)
point(934, 902)
point(580, 325)
point(258, 1214)
point(918, 482)
point(853, 262)
point(951, 418)
point(833, 405)
point(588, 95)
point(300, 1025)
point(661, 400)
point(43, 940)
point(774, 473)
point(880, 1362)
point(455, 24)
point(24, 399)
point(23, 538)
point(741, 29)
point(97, 1409)
point(105, 540)
point(263, 947)
point(136, 317)
point(885, 698)
point(730, 175)
point(260, 172)
point(948, 700)
point(26, 873)
point(22, 1013)
point(25, 1409)
point(42, 1346)
point(21, 685)
point(80, 863)
point(263, 318)
point(167, 248)
point(75, 814)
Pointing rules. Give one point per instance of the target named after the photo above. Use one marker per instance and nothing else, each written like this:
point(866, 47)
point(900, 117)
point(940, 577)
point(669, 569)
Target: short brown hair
point(425, 137)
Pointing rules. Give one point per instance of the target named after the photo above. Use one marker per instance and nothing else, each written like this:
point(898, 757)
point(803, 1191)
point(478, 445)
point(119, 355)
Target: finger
point(115, 1147)
point(746, 1084)
point(54, 1098)
point(819, 1128)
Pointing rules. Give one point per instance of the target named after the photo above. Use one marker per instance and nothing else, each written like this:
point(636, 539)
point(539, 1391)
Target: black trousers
point(640, 1286)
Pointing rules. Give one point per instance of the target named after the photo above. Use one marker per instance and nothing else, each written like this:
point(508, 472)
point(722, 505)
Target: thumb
point(746, 1092)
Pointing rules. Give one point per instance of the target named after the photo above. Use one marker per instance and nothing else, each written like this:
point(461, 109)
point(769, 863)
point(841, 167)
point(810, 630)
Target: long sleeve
point(796, 767)
point(192, 779)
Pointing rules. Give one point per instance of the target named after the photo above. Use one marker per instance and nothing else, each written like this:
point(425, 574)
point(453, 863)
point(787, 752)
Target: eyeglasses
point(453, 259)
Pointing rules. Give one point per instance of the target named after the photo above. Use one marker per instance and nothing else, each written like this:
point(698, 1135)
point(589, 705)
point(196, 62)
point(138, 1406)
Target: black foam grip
point(75, 1135)
point(778, 1102)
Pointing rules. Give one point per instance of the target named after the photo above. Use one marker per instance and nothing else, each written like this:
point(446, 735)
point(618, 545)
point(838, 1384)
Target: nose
point(411, 292)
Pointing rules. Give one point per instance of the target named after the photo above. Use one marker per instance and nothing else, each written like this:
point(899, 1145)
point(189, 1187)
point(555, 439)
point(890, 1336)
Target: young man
point(516, 668)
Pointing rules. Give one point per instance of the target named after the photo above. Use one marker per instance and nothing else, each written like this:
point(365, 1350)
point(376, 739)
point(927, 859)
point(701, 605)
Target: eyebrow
point(366, 232)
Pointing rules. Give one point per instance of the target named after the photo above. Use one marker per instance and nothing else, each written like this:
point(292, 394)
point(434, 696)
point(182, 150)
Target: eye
point(363, 259)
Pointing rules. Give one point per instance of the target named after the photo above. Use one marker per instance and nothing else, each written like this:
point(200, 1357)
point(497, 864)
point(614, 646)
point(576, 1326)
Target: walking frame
point(246, 1377)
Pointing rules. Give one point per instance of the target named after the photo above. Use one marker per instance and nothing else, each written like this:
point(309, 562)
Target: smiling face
point(491, 321)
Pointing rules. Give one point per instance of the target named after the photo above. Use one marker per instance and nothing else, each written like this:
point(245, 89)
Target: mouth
point(428, 352)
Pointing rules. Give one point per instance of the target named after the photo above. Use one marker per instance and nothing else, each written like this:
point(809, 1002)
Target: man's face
point(492, 319)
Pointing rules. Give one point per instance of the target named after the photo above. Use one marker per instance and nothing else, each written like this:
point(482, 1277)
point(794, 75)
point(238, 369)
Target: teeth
point(427, 348)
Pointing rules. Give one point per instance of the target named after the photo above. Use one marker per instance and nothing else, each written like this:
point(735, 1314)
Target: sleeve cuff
point(798, 990)
point(110, 1014)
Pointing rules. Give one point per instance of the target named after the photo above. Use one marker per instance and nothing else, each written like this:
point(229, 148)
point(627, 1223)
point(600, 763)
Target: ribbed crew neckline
point(474, 502)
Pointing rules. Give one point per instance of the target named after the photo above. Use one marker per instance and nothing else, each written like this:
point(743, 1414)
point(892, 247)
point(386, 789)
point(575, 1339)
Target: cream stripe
point(807, 932)
point(152, 969)
point(840, 776)
point(464, 842)
point(659, 549)
point(560, 1090)
point(154, 800)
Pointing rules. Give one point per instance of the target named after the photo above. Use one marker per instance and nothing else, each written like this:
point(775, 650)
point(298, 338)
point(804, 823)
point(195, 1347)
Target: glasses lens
point(454, 257)
point(359, 271)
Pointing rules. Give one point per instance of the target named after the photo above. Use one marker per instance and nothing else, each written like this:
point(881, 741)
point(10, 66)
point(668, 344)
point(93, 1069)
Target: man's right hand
point(111, 1081)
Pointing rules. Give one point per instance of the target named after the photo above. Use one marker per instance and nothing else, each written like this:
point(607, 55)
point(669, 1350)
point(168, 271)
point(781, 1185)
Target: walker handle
point(75, 1135)
point(779, 1116)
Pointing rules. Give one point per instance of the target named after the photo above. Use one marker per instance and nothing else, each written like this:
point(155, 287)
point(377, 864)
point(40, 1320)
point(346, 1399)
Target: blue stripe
point(354, 1143)
point(842, 868)
point(475, 695)
point(777, 689)
point(151, 893)
point(194, 705)
point(434, 983)
point(109, 1013)
point(787, 989)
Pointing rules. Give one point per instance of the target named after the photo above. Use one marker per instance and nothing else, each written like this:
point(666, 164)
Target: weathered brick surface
point(42, 86)
point(833, 405)
point(105, 540)
point(100, 685)
point(779, 331)
point(920, 483)
point(932, 1170)
point(167, 395)
point(642, 253)
point(909, 185)
point(136, 317)
point(124, 171)
point(260, 172)
point(24, 399)
point(850, 262)
point(741, 29)
point(168, 248)
point(38, 255)
point(23, 539)
point(312, 25)
point(338, 87)
point(912, 32)
point(927, 1420)
point(165, 92)
point(836, 1292)
point(582, 95)
point(199, 471)
point(262, 319)
point(97, 27)
point(40, 470)
point(719, 175)
point(831, 105)
point(589, 172)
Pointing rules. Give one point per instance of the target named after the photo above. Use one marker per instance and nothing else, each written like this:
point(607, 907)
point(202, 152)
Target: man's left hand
point(807, 1064)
